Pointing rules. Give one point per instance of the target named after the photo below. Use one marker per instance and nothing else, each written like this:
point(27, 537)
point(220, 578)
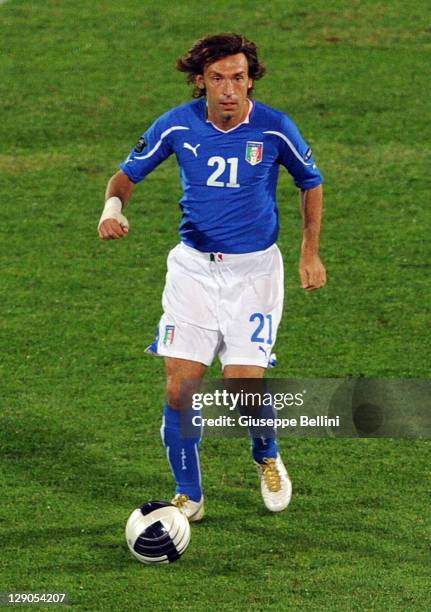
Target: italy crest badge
point(254, 152)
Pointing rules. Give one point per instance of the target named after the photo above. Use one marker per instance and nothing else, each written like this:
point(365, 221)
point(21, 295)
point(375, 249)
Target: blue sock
point(264, 447)
point(264, 444)
point(183, 450)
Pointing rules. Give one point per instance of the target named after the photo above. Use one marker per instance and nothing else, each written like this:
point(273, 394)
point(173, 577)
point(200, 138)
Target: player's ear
point(199, 80)
point(250, 83)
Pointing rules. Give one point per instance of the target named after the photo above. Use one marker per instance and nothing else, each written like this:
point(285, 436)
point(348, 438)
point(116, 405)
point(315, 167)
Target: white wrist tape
point(112, 210)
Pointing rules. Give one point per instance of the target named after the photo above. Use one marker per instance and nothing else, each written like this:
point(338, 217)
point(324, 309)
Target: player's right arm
point(113, 224)
point(152, 149)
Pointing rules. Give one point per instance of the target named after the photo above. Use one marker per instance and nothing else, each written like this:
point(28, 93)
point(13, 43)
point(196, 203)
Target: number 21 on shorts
point(263, 329)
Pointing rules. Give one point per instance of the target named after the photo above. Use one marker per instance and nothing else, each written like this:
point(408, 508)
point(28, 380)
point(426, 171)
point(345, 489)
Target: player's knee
point(179, 393)
point(181, 385)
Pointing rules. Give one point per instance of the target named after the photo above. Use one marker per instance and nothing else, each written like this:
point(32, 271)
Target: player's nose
point(228, 87)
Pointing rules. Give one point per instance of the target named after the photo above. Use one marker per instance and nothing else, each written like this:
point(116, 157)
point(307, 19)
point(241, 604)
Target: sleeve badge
point(140, 145)
point(308, 154)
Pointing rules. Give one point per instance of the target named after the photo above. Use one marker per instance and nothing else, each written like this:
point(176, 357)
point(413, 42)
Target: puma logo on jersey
point(194, 150)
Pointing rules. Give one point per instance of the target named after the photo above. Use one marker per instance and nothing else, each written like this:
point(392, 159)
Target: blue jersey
point(229, 178)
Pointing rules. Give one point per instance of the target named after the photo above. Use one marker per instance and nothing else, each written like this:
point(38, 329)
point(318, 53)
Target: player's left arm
point(311, 269)
point(297, 157)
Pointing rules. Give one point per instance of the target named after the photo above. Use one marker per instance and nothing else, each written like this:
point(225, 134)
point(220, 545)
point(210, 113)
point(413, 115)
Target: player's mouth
point(228, 105)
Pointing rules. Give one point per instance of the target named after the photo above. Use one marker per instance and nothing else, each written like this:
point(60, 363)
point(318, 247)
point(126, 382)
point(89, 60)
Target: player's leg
point(250, 325)
point(276, 487)
point(263, 446)
point(180, 437)
point(188, 350)
point(188, 339)
point(178, 371)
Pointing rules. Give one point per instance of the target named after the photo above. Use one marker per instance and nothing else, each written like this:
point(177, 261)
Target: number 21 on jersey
point(220, 167)
point(263, 331)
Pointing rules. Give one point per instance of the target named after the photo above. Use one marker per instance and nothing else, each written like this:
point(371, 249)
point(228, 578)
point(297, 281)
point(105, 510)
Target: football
point(157, 532)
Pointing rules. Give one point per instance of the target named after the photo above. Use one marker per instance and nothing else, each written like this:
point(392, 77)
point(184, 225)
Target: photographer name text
point(249, 421)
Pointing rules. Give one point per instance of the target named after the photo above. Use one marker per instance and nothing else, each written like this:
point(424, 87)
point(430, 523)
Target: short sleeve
point(296, 155)
point(152, 148)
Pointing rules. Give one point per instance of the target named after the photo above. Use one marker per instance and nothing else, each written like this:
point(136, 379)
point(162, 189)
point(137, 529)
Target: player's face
point(227, 84)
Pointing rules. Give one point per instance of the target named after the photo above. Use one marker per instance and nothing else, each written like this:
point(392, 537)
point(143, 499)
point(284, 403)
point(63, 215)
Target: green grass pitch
point(81, 404)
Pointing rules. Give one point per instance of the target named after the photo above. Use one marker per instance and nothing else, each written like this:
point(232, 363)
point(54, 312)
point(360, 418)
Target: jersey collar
point(246, 120)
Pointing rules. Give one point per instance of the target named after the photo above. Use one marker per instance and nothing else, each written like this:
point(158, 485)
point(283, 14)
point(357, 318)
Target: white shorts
point(221, 304)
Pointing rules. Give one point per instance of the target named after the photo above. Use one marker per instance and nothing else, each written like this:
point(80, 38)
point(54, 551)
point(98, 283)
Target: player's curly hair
point(209, 49)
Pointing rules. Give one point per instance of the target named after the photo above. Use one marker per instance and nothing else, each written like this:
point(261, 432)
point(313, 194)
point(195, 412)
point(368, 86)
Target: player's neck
point(228, 123)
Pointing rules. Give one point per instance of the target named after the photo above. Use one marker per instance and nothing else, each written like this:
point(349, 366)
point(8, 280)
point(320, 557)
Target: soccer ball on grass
point(157, 532)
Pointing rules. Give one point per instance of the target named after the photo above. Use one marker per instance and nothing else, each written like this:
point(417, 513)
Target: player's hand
point(312, 272)
point(112, 229)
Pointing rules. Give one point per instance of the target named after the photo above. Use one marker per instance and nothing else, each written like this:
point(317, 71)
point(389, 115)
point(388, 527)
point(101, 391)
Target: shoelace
point(180, 500)
point(271, 475)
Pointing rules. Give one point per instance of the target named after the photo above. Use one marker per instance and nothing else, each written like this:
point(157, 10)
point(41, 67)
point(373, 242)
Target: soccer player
point(224, 286)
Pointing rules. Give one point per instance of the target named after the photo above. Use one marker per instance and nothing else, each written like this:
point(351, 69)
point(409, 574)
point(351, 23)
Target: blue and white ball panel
point(155, 545)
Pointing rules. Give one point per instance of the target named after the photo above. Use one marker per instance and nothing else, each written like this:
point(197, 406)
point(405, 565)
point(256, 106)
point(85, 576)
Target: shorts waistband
point(219, 257)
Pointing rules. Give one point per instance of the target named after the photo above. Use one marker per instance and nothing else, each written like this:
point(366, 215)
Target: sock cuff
point(180, 421)
point(172, 417)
